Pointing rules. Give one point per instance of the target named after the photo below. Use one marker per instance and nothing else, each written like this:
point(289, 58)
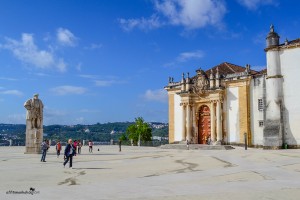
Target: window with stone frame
point(261, 104)
point(260, 123)
point(256, 81)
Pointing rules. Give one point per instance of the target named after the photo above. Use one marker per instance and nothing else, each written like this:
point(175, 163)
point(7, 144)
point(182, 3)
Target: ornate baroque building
point(231, 103)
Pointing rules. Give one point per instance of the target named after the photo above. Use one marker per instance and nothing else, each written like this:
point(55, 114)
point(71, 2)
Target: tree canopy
point(140, 130)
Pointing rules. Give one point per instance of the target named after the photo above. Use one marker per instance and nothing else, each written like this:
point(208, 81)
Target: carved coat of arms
point(200, 82)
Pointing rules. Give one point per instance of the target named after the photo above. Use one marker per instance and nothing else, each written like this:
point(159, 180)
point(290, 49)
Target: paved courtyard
point(147, 173)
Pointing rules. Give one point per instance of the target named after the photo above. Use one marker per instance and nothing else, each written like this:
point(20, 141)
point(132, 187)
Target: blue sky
point(108, 60)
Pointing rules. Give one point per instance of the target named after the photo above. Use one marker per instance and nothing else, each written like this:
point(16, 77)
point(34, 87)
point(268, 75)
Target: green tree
point(123, 137)
point(139, 131)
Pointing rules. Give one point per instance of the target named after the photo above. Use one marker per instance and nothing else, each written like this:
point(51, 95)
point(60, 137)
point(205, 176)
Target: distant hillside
point(96, 132)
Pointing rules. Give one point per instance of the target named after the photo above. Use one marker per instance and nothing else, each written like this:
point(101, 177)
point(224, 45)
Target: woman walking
point(79, 145)
point(58, 148)
point(90, 146)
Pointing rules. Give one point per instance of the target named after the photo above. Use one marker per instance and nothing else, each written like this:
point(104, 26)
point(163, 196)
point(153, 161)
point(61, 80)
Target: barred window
point(260, 123)
point(260, 104)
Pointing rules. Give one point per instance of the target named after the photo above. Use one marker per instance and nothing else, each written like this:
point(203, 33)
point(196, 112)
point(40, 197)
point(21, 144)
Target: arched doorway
point(204, 124)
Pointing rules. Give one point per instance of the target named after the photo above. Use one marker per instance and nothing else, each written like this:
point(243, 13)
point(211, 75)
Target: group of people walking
point(71, 149)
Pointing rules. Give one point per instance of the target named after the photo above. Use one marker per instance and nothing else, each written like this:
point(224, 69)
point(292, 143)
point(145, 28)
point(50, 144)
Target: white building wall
point(257, 92)
point(177, 118)
point(233, 114)
point(290, 69)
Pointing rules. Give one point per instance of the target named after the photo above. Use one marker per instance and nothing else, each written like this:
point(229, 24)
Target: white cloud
point(41, 74)
point(156, 95)
point(61, 65)
point(88, 111)
point(49, 113)
point(254, 4)
point(192, 14)
point(55, 116)
point(104, 83)
point(67, 90)
point(185, 56)
point(16, 118)
point(8, 79)
point(88, 76)
point(78, 67)
point(28, 52)
point(93, 46)
point(142, 23)
point(79, 120)
point(66, 37)
point(12, 92)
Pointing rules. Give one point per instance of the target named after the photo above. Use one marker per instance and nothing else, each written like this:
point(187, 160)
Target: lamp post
point(245, 138)
point(139, 142)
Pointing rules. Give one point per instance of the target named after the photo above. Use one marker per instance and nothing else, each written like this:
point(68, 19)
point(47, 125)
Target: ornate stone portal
point(201, 118)
point(34, 124)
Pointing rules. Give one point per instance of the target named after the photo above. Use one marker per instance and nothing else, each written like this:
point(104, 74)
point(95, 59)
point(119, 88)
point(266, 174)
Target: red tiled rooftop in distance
point(292, 42)
point(228, 68)
point(264, 71)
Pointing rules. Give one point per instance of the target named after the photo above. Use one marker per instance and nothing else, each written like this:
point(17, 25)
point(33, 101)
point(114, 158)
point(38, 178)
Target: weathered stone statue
point(34, 124)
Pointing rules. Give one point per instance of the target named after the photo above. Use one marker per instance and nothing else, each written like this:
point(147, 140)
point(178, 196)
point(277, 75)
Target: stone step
point(197, 146)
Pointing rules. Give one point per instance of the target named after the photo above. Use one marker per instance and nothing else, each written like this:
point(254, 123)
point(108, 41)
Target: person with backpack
point(70, 151)
point(75, 143)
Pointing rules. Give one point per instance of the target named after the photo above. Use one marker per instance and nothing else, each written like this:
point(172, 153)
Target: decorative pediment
point(200, 82)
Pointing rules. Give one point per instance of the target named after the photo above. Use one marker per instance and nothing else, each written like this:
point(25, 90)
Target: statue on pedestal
point(34, 124)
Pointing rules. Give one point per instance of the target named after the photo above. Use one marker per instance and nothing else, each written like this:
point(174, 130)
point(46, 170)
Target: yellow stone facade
point(171, 118)
point(244, 108)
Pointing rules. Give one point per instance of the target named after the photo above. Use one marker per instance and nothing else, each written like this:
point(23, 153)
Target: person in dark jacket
point(44, 147)
point(70, 151)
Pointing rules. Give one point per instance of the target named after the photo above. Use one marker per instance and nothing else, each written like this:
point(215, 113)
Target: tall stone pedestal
point(34, 139)
point(272, 135)
point(273, 126)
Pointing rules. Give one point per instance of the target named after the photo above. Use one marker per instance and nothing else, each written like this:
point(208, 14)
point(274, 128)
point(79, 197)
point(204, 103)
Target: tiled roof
point(228, 68)
point(292, 42)
point(297, 41)
point(264, 71)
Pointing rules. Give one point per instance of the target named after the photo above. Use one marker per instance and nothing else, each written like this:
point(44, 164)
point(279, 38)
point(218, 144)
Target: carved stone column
point(183, 122)
point(197, 127)
point(188, 122)
point(194, 124)
point(219, 123)
point(212, 121)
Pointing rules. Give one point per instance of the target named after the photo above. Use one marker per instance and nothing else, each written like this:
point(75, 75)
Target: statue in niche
point(34, 113)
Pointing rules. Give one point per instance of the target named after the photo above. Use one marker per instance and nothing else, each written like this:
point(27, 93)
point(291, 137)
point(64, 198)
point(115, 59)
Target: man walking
point(45, 147)
point(70, 151)
point(120, 144)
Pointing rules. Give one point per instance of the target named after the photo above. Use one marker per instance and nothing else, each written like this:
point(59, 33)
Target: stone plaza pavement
point(148, 173)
